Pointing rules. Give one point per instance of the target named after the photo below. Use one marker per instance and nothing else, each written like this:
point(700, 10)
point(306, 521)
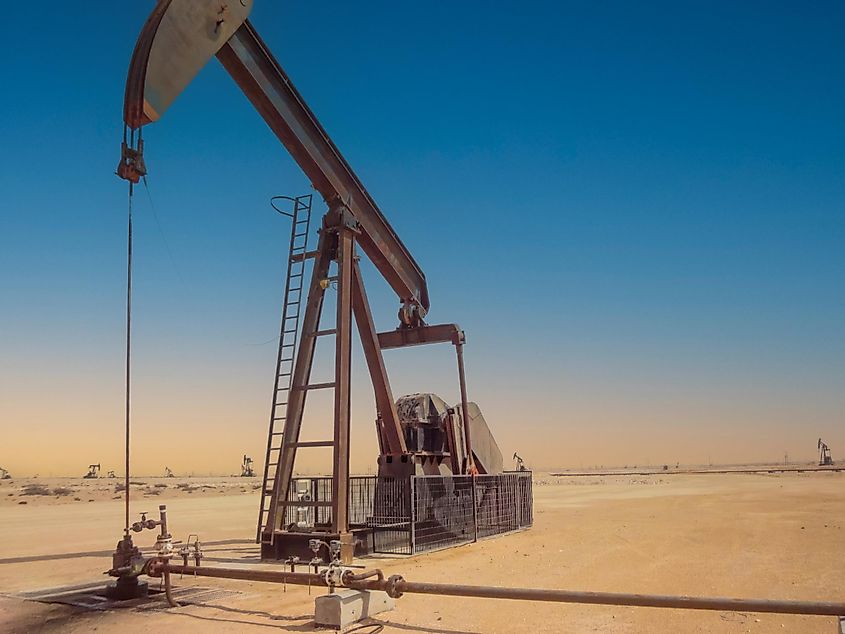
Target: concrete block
point(350, 606)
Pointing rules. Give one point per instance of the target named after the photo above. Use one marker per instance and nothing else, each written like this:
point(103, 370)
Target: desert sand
point(779, 536)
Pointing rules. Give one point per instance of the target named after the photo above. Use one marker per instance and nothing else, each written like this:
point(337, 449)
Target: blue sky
point(636, 212)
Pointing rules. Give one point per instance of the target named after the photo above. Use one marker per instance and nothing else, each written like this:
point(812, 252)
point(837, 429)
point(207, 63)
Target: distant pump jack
point(93, 472)
point(246, 468)
point(168, 473)
point(824, 454)
point(5, 475)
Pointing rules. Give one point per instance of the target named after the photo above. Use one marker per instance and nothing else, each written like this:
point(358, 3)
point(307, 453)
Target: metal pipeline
point(396, 586)
point(821, 608)
point(266, 576)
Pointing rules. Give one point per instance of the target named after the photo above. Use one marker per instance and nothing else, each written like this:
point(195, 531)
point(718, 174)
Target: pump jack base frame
point(295, 544)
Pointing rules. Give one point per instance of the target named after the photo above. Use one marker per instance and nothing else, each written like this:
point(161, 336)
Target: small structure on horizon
point(168, 473)
point(4, 474)
point(93, 472)
point(246, 468)
point(824, 454)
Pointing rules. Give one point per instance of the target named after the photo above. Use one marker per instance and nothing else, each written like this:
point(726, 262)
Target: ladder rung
point(311, 443)
point(304, 503)
point(278, 433)
point(300, 257)
point(315, 386)
point(299, 235)
point(320, 333)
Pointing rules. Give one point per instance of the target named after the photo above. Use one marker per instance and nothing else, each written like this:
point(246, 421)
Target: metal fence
point(424, 513)
point(319, 489)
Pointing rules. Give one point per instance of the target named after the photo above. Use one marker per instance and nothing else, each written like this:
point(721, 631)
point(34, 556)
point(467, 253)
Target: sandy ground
point(745, 535)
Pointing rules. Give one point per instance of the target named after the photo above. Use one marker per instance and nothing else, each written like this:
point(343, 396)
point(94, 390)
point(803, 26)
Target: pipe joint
point(392, 587)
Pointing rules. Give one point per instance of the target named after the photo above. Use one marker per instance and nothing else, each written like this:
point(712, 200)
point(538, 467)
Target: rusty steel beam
point(342, 369)
point(402, 337)
point(391, 439)
point(470, 466)
point(267, 86)
point(396, 586)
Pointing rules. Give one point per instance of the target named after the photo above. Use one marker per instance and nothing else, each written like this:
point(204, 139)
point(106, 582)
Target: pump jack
point(175, 43)
point(824, 454)
point(93, 471)
point(168, 473)
point(246, 468)
point(5, 475)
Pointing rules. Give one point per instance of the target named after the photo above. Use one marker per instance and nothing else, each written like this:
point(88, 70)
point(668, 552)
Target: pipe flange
point(392, 591)
point(333, 576)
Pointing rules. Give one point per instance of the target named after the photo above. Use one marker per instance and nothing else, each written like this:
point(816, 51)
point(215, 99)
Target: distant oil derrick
point(246, 468)
point(824, 454)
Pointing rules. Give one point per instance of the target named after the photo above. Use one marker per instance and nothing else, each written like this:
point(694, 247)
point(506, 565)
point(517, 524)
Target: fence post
point(474, 509)
point(413, 515)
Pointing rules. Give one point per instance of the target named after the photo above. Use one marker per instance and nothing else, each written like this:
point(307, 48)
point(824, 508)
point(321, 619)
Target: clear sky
point(636, 212)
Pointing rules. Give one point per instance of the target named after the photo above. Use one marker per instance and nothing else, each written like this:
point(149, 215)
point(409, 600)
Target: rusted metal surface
point(396, 586)
point(401, 337)
point(301, 375)
point(342, 369)
point(391, 440)
point(259, 75)
point(470, 461)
